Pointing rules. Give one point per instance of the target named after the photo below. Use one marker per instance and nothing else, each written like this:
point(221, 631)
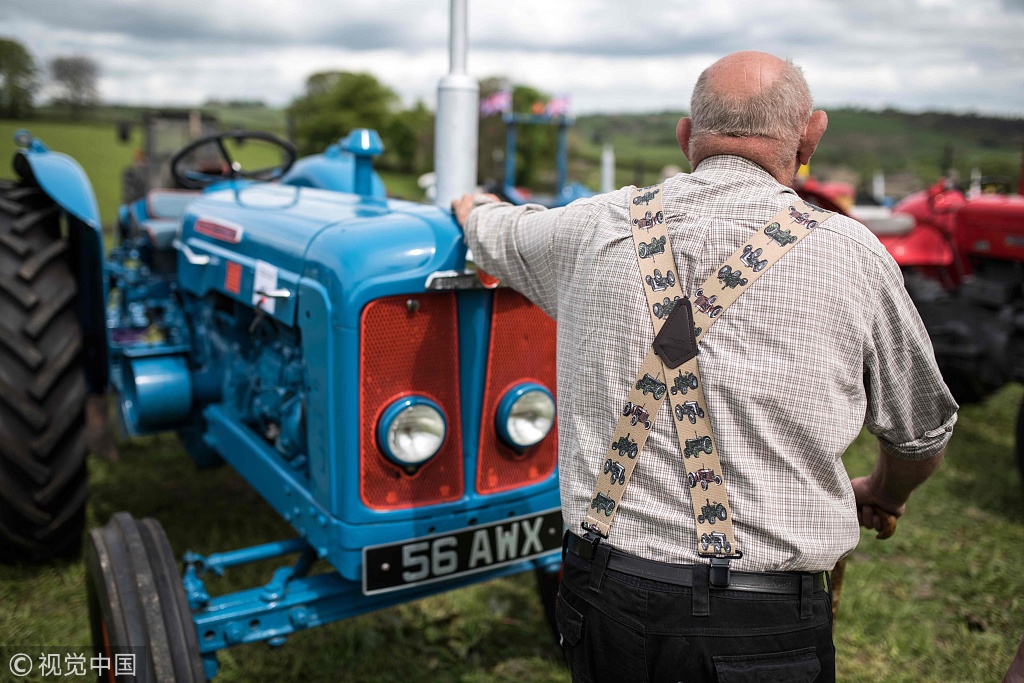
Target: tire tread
point(43, 476)
point(135, 589)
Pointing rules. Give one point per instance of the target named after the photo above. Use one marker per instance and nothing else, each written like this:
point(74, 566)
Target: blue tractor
point(328, 343)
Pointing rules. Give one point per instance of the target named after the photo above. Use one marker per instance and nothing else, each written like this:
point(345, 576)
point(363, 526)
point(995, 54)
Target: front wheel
point(137, 603)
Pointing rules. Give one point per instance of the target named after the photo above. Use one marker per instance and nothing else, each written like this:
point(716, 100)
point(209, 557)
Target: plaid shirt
point(826, 342)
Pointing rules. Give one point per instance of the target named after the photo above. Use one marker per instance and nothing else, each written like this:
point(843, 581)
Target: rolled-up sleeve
point(909, 407)
point(515, 244)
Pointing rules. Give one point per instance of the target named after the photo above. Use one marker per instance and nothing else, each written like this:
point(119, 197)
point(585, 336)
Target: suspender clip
point(720, 574)
point(590, 539)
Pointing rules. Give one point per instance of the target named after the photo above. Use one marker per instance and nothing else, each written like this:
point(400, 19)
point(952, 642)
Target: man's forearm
point(895, 479)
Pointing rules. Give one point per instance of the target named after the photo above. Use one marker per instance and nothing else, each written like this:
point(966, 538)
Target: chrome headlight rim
point(509, 434)
point(408, 408)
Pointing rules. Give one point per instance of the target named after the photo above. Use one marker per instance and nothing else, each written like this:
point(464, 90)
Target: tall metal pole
point(456, 130)
point(607, 168)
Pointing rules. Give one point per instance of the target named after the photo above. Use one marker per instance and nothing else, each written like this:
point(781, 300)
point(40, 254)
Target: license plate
point(467, 551)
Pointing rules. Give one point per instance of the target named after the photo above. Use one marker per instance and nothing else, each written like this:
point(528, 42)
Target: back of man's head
point(751, 95)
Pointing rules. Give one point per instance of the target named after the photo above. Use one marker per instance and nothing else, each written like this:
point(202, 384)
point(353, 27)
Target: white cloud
point(608, 55)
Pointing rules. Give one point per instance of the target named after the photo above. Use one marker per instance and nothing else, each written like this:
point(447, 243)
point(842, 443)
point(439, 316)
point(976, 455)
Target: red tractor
point(962, 255)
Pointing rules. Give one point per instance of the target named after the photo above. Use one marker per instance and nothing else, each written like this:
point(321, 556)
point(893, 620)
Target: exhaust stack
point(456, 128)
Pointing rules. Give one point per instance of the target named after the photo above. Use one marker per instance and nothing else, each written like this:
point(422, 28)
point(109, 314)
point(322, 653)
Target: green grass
point(489, 632)
point(941, 601)
point(94, 145)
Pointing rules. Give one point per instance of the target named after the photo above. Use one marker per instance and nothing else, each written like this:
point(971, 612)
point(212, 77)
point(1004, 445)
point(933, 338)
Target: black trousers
point(626, 629)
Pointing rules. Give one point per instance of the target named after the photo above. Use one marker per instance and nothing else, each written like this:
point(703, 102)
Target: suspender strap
point(678, 325)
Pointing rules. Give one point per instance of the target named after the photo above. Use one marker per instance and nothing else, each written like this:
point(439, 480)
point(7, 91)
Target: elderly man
point(713, 568)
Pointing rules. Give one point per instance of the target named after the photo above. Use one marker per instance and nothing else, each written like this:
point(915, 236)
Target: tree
point(75, 79)
point(337, 102)
point(18, 79)
point(409, 140)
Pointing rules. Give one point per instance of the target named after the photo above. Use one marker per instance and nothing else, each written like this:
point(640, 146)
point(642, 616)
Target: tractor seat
point(164, 209)
point(882, 221)
point(169, 203)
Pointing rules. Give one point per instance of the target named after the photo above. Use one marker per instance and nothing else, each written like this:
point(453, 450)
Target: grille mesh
point(522, 349)
point(404, 352)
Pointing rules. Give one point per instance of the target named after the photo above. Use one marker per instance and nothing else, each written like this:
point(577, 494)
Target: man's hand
point(464, 204)
point(875, 510)
point(882, 495)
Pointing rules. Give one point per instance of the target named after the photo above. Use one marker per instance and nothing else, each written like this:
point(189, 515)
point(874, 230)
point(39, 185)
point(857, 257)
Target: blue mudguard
point(61, 177)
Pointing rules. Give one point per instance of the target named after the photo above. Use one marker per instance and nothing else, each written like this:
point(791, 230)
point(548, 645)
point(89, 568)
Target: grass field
point(96, 147)
point(942, 601)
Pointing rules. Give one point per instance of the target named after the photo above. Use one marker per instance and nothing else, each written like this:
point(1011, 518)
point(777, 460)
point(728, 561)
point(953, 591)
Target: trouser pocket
point(569, 622)
point(794, 666)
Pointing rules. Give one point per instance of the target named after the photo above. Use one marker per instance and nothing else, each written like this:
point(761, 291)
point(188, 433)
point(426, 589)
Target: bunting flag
point(558, 106)
point(496, 103)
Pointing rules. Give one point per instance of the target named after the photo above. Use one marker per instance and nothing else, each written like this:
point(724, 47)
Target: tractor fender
point(66, 183)
point(61, 177)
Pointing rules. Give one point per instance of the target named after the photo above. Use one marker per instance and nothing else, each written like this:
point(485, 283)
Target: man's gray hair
point(778, 112)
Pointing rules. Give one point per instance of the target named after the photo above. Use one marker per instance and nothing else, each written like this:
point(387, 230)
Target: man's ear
point(813, 131)
point(683, 130)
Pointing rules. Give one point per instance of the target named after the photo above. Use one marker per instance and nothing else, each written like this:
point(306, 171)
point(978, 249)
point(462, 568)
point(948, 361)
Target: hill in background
point(911, 149)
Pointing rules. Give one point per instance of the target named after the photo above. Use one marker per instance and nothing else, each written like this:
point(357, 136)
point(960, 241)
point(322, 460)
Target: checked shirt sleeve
point(516, 245)
point(910, 409)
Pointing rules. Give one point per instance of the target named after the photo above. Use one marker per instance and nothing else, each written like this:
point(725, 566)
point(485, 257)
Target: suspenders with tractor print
point(671, 369)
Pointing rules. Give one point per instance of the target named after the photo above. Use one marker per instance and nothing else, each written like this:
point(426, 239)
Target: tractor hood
point(993, 225)
point(355, 248)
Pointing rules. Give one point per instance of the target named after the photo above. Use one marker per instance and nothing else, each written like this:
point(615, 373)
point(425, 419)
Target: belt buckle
point(720, 572)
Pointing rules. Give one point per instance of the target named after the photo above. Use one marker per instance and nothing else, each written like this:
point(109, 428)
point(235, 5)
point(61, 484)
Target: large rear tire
point(43, 487)
point(137, 603)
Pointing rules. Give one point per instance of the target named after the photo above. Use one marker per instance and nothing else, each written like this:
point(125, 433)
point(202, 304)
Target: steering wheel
point(204, 170)
point(1001, 184)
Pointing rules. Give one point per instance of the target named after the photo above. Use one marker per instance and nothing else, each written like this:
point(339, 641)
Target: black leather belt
point(784, 583)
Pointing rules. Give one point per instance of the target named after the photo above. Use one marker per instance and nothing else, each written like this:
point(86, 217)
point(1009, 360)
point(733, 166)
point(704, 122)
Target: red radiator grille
point(522, 350)
point(404, 352)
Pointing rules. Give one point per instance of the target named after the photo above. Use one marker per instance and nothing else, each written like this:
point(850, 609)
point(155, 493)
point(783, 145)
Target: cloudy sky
point(608, 55)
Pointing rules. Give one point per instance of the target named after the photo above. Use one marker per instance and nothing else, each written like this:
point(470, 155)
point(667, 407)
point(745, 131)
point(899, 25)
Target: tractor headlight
point(411, 431)
point(526, 414)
